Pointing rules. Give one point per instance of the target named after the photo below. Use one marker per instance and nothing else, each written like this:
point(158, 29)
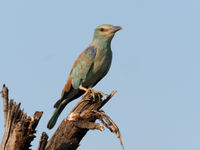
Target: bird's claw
point(93, 92)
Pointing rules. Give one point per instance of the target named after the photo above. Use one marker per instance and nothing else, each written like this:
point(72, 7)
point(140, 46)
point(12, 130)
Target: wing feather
point(82, 66)
point(78, 73)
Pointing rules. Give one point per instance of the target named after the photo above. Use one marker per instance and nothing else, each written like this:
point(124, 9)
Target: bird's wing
point(78, 73)
point(82, 66)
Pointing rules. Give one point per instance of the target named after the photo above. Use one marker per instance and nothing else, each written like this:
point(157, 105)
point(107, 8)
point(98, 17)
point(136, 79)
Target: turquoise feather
point(90, 67)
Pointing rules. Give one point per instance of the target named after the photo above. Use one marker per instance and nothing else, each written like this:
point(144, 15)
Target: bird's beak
point(116, 28)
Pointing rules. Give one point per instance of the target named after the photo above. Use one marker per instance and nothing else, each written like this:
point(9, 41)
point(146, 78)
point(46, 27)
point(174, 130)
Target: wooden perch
point(19, 128)
point(80, 120)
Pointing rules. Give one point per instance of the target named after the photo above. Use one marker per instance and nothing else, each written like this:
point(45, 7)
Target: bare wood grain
point(20, 128)
point(4, 94)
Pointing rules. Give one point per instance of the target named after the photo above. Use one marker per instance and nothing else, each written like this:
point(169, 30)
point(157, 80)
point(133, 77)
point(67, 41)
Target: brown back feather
point(68, 86)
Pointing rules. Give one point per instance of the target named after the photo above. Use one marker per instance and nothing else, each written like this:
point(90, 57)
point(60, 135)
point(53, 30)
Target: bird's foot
point(94, 93)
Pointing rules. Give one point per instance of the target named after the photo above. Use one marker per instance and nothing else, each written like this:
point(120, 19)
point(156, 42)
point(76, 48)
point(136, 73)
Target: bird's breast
point(100, 67)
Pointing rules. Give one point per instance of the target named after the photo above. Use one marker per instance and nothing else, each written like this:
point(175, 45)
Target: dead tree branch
point(19, 128)
point(80, 120)
point(43, 141)
point(4, 94)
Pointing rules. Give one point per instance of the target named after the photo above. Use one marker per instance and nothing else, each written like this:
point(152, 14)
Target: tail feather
point(57, 104)
point(56, 114)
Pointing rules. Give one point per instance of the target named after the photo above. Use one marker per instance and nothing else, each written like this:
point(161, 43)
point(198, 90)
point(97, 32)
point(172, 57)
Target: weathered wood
point(20, 128)
point(43, 141)
point(4, 93)
point(78, 122)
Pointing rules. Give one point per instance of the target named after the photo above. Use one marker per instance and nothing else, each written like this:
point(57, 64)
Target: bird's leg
point(87, 90)
point(84, 89)
point(92, 91)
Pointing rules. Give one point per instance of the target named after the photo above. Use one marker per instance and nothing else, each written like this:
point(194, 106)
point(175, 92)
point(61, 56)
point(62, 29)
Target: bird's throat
point(101, 43)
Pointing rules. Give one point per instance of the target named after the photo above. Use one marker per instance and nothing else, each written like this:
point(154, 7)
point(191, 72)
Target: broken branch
point(80, 120)
point(4, 94)
point(19, 128)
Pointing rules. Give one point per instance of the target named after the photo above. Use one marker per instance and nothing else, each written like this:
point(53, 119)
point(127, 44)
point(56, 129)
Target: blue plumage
point(90, 67)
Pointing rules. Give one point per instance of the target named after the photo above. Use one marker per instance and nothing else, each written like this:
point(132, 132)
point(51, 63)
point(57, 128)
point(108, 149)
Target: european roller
point(89, 68)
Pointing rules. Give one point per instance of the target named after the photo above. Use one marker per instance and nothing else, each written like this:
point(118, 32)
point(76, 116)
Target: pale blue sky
point(155, 68)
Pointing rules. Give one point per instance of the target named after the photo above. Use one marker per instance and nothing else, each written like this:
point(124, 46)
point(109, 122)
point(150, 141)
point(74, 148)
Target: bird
point(89, 68)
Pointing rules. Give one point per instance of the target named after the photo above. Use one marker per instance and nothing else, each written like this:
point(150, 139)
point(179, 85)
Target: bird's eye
point(101, 29)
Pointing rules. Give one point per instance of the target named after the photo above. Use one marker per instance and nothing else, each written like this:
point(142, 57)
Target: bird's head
point(105, 32)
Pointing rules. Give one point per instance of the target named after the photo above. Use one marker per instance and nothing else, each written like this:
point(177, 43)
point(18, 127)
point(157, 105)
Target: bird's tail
point(56, 114)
